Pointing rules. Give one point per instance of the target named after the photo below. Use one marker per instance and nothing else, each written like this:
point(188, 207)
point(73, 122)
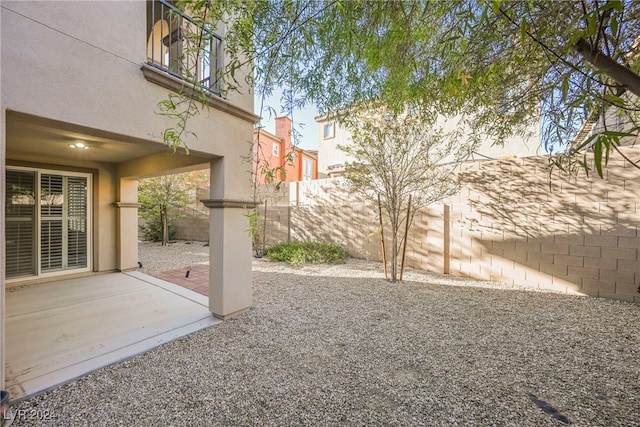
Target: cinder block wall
point(193, 223)
point(508, 223)
point(193, 226)
point(511, 223)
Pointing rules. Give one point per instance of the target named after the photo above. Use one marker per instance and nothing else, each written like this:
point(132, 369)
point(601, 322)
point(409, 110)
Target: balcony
point(178, 46)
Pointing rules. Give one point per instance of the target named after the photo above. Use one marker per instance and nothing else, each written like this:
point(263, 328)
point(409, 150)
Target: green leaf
point(597, 156)
point(564, 87)
point(613, 99)
point(611, 4)
point(616, 134)
point(592, 24)
point(613, 24)
point(586, 143)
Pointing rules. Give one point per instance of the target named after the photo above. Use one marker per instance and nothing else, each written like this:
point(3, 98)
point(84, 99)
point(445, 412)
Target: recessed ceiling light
point(80, 145)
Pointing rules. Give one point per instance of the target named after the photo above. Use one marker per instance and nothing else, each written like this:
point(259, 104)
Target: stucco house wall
point(76, 72)
point(332, 160)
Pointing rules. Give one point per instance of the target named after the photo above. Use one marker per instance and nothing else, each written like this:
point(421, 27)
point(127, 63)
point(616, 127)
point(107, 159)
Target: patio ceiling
point(27, 134)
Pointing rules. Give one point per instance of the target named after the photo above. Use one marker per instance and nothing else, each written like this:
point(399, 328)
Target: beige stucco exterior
point(74, 71)
point(332, 160)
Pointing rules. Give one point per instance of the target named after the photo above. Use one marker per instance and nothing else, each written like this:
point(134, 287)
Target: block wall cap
point(225, 203)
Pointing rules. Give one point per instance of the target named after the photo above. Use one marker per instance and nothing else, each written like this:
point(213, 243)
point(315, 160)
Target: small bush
point(152, 231)
point(298, 253)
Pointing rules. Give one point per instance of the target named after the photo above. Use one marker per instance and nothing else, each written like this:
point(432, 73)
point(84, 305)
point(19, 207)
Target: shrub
point(298, 253)
point(152, 230)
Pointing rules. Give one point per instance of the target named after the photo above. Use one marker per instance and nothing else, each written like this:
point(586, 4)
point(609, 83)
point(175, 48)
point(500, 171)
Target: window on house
point(276, 149)
point(329, 131)
point(172, 45)
point(307, 169)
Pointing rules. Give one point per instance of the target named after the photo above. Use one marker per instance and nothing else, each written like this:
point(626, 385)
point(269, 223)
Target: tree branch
point(613, 69)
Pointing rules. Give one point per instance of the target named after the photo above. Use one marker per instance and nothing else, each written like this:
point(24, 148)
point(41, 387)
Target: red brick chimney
point(283, 131)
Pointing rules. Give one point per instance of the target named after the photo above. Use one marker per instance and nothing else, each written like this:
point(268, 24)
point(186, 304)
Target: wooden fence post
point(406, 237)
point(446, 226)
point(264, 231)
point(384, 255)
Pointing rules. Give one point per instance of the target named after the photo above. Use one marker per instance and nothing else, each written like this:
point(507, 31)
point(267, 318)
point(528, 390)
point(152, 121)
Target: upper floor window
point(177, 45)
point(307, 169)
point(276, 149)
point(328, 131)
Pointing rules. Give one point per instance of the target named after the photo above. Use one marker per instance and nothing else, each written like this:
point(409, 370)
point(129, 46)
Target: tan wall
point(194, 224)
point(516, 145)
point(74, 70)
point(328, 152)
point(80, 70)
point(507, 224)
point(576, 234)
point(88, 73)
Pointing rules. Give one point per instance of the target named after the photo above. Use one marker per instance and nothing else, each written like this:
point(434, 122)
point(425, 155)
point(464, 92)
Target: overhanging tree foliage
point(398, 157)
point(498, 65)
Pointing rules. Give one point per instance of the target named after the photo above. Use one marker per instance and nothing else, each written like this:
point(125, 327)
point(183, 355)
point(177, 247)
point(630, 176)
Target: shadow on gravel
point(325, 350)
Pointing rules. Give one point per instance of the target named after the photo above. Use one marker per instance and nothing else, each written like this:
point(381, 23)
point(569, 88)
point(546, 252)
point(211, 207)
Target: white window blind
point(51, 222)
point(76, 222)
point(20, 222)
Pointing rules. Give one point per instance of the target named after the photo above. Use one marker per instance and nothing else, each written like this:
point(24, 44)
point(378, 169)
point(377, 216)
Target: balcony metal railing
point(182, 48)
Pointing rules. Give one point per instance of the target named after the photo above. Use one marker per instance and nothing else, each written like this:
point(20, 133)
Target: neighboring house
point(277, 159)
point(332, 160)
point(79, 127)
point(615, 119)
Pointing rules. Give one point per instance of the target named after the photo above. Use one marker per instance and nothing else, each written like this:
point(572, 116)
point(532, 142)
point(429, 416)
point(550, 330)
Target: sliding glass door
point(47, 222)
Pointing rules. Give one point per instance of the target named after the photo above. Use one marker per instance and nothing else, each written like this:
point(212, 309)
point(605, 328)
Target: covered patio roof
point(59, 331)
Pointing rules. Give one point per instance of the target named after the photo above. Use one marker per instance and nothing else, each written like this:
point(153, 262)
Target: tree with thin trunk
point(398, 156)
point(160, 195)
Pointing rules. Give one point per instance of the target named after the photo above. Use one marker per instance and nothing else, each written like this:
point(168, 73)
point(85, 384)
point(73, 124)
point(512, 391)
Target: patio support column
point(230, 290)
point(127, 225)
point(230, 282)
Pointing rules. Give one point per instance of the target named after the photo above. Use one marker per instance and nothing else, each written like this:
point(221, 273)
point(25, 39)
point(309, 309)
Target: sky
point(304, 120)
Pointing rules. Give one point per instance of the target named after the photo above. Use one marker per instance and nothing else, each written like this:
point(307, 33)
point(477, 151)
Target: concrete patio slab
point(59, 331)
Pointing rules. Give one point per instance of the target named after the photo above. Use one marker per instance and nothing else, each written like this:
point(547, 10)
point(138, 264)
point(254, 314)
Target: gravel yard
point(338, 345)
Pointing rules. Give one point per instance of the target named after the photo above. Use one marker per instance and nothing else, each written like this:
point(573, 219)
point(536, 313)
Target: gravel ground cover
point(156, 258)
point(338, 345)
